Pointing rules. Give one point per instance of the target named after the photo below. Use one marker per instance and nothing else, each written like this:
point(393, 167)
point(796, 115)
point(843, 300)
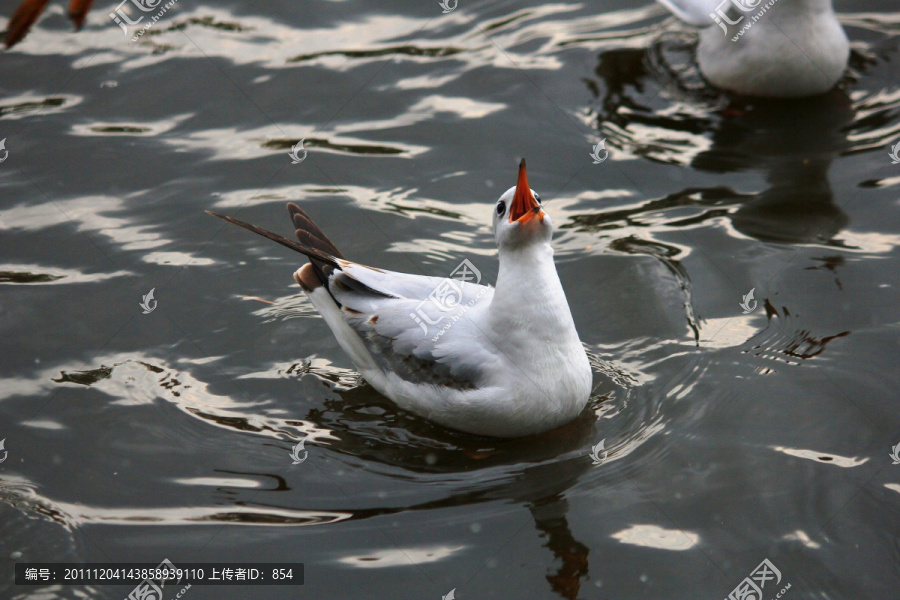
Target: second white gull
point(774, 48)
point(506, 361)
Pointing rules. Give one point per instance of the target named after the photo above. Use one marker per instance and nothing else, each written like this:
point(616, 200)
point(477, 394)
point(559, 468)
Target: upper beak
point(524, 206)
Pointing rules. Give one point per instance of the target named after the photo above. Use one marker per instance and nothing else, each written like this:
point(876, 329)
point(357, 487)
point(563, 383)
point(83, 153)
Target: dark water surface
point(731, 438)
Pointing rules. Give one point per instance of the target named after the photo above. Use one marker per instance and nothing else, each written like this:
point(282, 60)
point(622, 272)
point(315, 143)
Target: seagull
point(795, 48)
point(504, 361)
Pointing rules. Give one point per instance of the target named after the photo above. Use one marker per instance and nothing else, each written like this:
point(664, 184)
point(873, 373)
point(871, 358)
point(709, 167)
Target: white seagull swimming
point(767, 48)
point(503, 362)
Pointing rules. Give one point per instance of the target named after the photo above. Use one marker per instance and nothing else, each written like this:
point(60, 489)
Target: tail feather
point(323, 255)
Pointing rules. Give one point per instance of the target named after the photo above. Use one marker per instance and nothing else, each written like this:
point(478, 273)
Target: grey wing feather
point(398, 320)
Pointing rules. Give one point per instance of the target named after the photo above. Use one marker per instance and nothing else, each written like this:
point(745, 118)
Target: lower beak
point(524, 206)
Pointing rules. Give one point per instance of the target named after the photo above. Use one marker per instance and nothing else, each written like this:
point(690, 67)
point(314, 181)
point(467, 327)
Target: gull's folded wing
point(414, 326)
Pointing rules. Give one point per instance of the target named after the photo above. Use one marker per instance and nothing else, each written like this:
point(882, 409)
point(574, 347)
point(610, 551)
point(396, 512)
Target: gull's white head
point(519, 217)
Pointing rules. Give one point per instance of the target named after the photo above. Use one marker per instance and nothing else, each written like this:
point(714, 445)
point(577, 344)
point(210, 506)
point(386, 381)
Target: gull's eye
point(537, 197)
point(501, 208)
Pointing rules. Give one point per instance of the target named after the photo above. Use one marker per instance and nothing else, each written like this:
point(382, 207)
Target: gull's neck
point(529, 298)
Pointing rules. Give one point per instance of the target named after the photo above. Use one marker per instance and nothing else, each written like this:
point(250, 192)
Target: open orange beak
point(524, 206)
